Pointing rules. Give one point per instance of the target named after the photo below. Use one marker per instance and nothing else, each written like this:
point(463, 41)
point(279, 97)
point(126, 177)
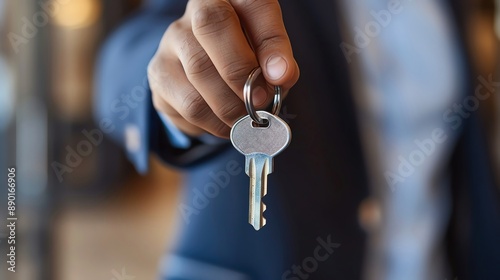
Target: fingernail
point(259, 96)
point(276, 67)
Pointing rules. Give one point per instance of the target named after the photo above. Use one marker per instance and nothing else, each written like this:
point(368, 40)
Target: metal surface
point(259, 145)
point(247, 94)
point(269, 140)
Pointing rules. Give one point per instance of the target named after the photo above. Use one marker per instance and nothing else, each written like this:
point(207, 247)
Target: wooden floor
point(123, 235)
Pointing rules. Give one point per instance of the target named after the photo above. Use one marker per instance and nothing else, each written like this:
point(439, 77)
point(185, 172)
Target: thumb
point(263, 23)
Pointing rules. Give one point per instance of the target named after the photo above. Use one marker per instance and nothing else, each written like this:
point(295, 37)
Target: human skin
point(204, 58)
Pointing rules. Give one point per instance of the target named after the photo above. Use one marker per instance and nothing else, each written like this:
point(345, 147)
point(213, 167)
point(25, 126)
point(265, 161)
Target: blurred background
point(99, 218)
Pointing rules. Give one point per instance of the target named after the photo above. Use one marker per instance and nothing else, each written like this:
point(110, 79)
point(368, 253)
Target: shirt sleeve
point(176, 137)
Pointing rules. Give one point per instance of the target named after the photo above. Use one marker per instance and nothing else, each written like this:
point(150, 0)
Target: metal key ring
point(247, 94)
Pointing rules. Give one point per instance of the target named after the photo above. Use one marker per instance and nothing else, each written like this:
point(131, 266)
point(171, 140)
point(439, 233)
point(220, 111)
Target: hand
point(204, 58)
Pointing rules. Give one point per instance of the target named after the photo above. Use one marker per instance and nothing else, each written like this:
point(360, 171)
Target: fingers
point(183, 100)
point(262, 20)
point(217, 28)
point(200, 68)
point(202, 74)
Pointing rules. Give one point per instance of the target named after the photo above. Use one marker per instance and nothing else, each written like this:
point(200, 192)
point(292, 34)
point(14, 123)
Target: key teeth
point(264, 207)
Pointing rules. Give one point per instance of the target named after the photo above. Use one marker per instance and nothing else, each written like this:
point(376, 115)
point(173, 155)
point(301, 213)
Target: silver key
point(259, 145)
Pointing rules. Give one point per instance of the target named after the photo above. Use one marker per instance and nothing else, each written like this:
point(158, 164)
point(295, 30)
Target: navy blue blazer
point(318, 182)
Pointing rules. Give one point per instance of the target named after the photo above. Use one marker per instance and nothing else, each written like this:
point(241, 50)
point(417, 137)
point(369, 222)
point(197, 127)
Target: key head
point(270, 140)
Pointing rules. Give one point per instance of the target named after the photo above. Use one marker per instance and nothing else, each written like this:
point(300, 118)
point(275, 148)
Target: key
point(259, 144)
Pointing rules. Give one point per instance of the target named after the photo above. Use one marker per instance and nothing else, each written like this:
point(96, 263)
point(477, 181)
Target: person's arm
point(123, 107)
point(205, 57)
point(201, 61)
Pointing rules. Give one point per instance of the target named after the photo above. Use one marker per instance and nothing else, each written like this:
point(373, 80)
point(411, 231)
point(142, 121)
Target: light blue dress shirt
point(406, 71)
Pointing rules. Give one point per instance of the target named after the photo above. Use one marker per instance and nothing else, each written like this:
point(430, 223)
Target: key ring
point(247, 94)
